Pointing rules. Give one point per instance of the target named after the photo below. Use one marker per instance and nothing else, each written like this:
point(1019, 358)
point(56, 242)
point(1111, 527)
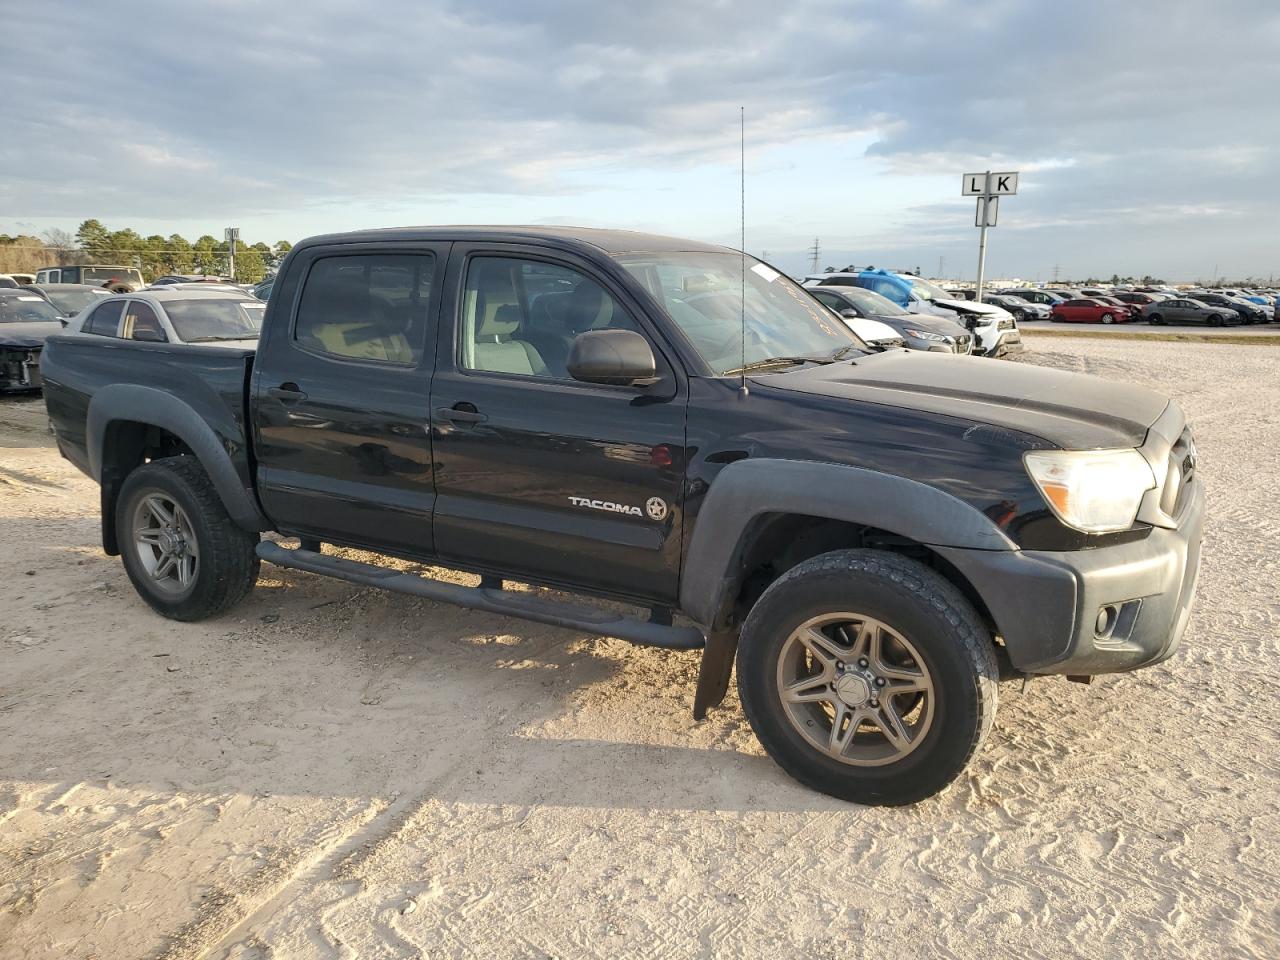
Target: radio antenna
point(742, 248)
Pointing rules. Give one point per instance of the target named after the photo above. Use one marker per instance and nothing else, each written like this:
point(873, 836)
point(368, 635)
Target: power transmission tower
point(1055, 273)
point(942, 262)
point(815, 255)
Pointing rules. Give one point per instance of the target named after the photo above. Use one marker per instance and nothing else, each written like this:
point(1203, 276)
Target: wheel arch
point(130, 424)
point(793, 510)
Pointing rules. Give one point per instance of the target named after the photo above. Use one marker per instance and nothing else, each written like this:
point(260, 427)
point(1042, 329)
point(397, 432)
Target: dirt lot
point(333, 772)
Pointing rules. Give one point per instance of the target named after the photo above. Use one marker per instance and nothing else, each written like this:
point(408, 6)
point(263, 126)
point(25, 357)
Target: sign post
point(233, 234)
point(988, 187)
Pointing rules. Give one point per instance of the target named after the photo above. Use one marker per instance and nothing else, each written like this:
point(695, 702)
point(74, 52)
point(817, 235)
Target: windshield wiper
point(773, 362)
point(844, 351)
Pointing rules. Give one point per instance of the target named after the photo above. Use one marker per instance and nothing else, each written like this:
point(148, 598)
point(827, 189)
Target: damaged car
point(25, 320)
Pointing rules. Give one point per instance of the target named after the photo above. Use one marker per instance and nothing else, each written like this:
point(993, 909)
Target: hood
point(27, 333)
point(972, 306)
point(928, 323)
point(872, 331)
point(1073, 411)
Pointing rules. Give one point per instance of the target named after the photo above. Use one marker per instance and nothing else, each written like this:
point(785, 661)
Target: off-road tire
point(913, 600)
point(228, 566)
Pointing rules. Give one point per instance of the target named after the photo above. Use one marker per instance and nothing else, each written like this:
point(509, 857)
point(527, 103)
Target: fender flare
point(124, 401)
point(747, 490)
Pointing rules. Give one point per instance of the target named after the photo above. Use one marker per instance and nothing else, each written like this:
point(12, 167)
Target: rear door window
point(367, 307)
point(105, 320)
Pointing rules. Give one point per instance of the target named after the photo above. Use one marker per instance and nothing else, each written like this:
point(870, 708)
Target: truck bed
point(214, 381)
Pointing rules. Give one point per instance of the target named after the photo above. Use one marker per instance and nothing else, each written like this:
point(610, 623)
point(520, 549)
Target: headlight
point(1097, 491)
point(925, 335)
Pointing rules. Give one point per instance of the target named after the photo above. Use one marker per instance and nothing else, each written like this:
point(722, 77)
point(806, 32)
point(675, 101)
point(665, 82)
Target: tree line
point(155, 255)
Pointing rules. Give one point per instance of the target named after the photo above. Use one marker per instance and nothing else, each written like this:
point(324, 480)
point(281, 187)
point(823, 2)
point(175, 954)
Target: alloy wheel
point(165, 542)
point(856, 689)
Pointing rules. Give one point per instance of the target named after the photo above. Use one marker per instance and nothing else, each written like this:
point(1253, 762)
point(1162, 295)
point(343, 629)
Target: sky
point(1145, 131)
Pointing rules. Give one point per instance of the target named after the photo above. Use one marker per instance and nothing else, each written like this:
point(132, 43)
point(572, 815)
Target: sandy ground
point(329, 771)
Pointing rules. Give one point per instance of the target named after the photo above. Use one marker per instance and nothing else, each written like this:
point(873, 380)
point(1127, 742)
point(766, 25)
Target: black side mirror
point(150, 336)
point(64, 321)
point(615, 357)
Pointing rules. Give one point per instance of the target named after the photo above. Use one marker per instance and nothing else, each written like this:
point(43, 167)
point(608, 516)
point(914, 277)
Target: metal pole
point(983, 201)
point(231, 257)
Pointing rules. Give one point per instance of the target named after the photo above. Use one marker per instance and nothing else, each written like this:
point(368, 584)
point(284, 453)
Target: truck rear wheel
point(182, 551)
point(867, 676)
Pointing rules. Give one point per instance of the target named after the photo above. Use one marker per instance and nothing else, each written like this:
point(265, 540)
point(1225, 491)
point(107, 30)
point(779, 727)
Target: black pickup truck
point(873, 538)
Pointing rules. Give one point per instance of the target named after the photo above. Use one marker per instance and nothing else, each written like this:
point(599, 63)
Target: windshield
point(871, 302)
point(203, 320)
point(104, 274)
point(25, 309)
point(73, 301)
point(928, 291)
point(702, 293)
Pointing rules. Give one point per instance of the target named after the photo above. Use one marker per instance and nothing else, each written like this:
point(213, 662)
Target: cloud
point(1146, 125)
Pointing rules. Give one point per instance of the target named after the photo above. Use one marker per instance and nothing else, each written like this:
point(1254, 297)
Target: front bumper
point(19, 369)
point(1046, 604)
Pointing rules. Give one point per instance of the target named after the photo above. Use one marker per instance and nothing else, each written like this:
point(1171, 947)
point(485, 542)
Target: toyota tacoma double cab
point(873, 539)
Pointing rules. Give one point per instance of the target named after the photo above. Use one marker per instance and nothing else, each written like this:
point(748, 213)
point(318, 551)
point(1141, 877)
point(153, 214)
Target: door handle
point(461, 413)
point(287, 392)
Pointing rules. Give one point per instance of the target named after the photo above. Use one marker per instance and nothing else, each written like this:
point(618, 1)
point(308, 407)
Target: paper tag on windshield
point(252, 304)
point(767, 272)
point(32, 299)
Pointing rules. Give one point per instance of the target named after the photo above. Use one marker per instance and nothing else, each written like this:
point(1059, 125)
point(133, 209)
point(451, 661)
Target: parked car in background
point(1129, 308)
point(18, 279)
point(1249, 312)
point(8, 283)
point(1032, 295)
point(916, 331)
point(115, 279)
point(1186, 310)
point(1064, 293)
point(994, 329)
point(1137, 299)
point(263, 290)
point(211, 317)
point(963, 293)
point(225, 286)
point(187, 278)
point(26, 319)
point(1020, 308)
point(1089, 310)
point(70, 298)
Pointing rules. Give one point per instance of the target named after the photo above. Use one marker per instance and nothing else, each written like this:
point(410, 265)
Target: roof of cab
point(609, 241)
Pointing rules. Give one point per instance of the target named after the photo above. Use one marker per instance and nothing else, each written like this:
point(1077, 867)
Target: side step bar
point(589, 619)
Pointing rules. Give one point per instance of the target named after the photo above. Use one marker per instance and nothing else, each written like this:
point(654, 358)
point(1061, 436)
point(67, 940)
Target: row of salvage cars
point(177, 313)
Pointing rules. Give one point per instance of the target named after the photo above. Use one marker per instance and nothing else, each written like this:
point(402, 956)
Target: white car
point(995, 331)
point(165, 315)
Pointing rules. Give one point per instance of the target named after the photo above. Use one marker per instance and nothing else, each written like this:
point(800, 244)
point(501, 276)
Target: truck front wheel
point(182, 551)
point(867, 676)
